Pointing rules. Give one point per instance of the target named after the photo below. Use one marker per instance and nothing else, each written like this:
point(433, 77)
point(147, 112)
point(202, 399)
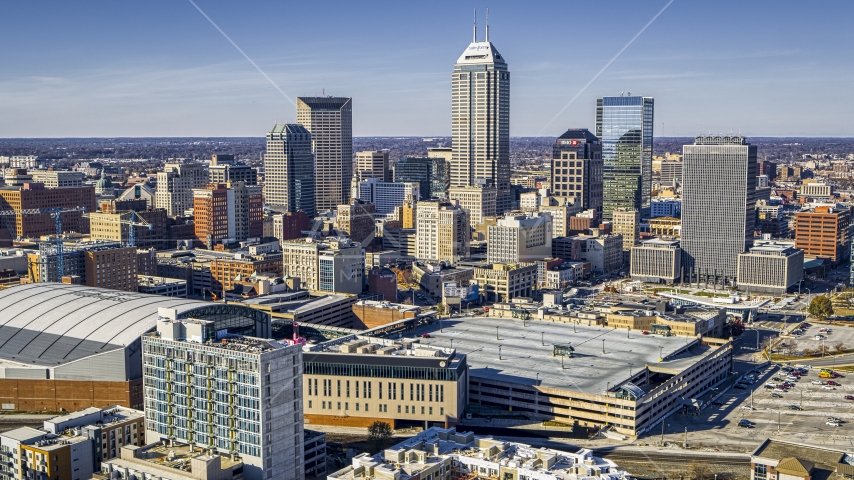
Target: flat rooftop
point(527, 352)
point(158, 461)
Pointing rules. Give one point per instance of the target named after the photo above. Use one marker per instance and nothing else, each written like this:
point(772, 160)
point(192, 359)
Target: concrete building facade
point(175, 186)
point(520, 238)
point(330, 121)
point(770, 267)
point(657, 261)
point(480, 127)
point(442, 231)
point(577, 168)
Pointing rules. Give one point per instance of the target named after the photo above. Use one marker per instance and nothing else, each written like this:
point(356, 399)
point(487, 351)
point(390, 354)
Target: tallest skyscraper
point(481, 125)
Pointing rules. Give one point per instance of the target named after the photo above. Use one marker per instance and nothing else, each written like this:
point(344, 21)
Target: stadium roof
point(53, 323)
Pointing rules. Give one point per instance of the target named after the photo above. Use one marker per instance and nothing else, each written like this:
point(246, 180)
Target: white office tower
point(520, 238)
point(175, 186)
point(481, 121)
point(232, 394)
point(387, 195)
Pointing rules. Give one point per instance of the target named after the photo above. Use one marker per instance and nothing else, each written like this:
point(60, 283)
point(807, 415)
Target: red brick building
point(823, 233)
point(35, 195)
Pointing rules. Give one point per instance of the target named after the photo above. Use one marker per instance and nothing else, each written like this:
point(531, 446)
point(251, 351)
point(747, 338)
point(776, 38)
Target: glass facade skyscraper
point(289, 184)
point(624, 124)
point(431, 175)
point(718, 198)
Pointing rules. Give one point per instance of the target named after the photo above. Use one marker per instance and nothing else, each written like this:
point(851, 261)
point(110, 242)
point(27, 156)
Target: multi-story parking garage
point(583, 376)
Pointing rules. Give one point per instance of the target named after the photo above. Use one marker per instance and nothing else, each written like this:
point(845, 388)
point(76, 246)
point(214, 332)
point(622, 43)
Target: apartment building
point(356, 380)
point(111, 266)
point(250, 388)
point(112, 226)
point(446, 454)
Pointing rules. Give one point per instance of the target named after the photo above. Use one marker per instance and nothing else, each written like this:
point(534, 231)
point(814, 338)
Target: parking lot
point(771, 414)
point(838, 334)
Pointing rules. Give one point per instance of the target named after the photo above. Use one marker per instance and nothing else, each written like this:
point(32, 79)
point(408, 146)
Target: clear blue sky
point(158, 68)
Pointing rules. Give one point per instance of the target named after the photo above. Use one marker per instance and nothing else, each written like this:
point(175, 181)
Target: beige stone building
point(503, 282)
point(442, 231)
point(355, 381)
point(478, 202)
point(626, 222)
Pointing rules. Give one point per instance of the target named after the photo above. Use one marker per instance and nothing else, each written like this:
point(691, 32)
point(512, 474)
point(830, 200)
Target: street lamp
point(660, 354)
point(603, 346)
point(543, 338)
point(452, 344)
point(496, 332)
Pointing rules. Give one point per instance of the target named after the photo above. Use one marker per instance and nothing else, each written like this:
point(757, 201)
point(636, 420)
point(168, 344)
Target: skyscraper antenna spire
point(474, 34)
point(487, 24)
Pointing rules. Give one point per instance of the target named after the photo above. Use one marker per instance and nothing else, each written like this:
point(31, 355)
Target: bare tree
point(839, 347)
point(700, 470)
point(808, 352)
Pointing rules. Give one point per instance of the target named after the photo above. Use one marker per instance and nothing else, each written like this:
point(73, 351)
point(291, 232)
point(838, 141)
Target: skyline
point(160, 69)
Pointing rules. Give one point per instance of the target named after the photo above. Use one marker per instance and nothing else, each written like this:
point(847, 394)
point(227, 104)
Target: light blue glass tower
point(624, 124)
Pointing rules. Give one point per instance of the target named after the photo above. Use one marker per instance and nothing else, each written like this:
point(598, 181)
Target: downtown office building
point(624, 124)
point(289, 181)
point(480, 112)
point(330, 121)
point(718, 199)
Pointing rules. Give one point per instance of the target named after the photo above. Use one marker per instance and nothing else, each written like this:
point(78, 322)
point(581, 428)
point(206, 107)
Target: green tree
point(378, 434)
point(821, 307)
point(440, 309)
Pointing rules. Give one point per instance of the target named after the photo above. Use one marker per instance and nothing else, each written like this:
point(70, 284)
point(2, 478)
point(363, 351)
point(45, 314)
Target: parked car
point(777, 379)
point(776, 395)
point(745, 423)
point(828, 387)
point(425, 335)
point(747, 407)
point(849, 397)
point(831, 424)
point(795, 407)
point(817, 382)
point(771, 385)
point(834, 384)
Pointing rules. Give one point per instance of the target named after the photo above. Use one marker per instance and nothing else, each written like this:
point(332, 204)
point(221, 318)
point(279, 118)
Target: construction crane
point(135, 220)
point(56, 213)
